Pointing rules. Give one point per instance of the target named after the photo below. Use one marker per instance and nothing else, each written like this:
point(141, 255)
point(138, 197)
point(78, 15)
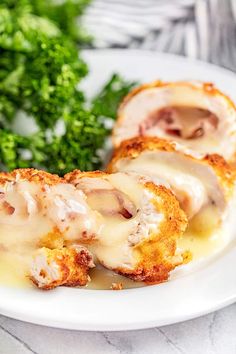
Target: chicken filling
point(124, 214)
point(196, 187)
point(107, 215)
point(180, 121)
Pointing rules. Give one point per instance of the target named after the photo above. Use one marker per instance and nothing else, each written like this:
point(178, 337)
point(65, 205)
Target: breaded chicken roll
point(41, 213)
point(65, 266)
point(44, 210)
point(196, 115)
point(140, 224)
point(198, 183)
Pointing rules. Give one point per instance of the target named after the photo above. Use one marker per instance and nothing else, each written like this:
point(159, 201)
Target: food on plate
point(205, 187)
point(196, 182)
point(66, 266)
point(141, 223)
point(199, 117)
point(55, 226)
point(38, 210)
point(41, 208)
point(167, 197)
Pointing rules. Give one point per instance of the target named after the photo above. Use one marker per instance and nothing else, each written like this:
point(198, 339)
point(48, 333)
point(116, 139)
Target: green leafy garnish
point(40, 69)
point(10, 145)
point(78, 147)
point(108, 100)
point(66, 14)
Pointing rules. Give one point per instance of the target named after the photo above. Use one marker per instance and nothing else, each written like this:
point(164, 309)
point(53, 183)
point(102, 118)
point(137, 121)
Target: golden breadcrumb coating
point(65, 266)
point(53, 239)
point(31, 175)
point(157, 254)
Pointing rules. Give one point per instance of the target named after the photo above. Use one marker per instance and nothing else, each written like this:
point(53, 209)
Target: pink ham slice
point(185, 122)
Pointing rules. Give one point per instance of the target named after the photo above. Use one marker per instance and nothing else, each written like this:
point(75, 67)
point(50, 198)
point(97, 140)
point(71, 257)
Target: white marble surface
point(211, 334)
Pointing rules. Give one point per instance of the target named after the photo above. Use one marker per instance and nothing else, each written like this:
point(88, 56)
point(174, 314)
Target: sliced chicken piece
point(140, 224)
point(41, 209)
point(65, 266)
point(196, 115)
point(128, 223)
point(196, 182)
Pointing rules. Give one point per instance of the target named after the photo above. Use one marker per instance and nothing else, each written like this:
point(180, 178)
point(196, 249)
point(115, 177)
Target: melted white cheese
point(30, 214)
point(19, 239)
point(194, 184)
point(117, 234)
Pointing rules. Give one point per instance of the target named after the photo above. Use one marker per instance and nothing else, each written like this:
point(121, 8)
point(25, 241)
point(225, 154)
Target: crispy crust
point(133, 147)
point(156, 255)
point(31, 175)
point(53, 239)
point(72, 265)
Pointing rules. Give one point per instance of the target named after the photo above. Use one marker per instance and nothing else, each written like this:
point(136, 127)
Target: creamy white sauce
point(29, 218)
point(193, 182)
point(102, 279)
point(117, 233)
point(204, 234)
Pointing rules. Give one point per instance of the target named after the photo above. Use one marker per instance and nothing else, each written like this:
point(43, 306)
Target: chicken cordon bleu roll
point(196, 115)
point(40, 212)
point(140, 223)
point(65, 266)
point(203, 186)
point(45, 208)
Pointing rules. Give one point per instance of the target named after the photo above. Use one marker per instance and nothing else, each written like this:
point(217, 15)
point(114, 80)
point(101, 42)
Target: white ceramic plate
point(199, 290)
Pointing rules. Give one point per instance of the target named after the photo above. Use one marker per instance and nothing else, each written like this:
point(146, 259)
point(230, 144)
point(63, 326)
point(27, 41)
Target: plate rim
point(178, 57)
